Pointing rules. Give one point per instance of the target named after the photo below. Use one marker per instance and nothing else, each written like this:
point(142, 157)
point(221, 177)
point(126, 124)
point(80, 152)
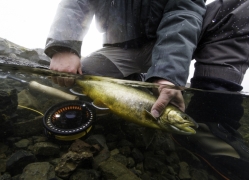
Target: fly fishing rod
point(45, 89)
point(67, 120)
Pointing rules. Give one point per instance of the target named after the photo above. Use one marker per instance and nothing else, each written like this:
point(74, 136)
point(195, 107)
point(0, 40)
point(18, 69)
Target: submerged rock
point(69, 162)
point(28, 127)
point(39, 171)
point(46, 149)
point(79, 154)
point(8, 104)
point(102, 156)
point(2, 166)
point(17, 161)
point(112, 169)
point(86, 174)
point(184, 171)
point(23, 143)
point(25, 98)
point(6, 176)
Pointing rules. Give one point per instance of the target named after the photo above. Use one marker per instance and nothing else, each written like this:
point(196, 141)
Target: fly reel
point(69, 120)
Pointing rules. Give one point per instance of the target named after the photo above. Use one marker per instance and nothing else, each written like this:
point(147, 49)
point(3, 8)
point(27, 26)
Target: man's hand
point(166, 96)
point(65, 62)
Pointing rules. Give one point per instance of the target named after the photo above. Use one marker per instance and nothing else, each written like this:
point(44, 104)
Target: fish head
point(178, 122)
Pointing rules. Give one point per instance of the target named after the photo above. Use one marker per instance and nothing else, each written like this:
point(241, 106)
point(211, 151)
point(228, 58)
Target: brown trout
point(134, 105)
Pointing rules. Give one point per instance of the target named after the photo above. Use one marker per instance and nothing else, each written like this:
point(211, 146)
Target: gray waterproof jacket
point(175, 24)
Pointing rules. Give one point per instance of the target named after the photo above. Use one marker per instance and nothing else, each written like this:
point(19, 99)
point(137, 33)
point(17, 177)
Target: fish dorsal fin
point(121, 81)
point(149, 116)
point(99, 105)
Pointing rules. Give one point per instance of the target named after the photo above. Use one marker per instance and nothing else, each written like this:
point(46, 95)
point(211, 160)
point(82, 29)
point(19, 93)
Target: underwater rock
point(69, 162)
point(39, 139)
point(130, 162)
point(8, 104)
point(200, 174)
point(125, 143)
point(25, 98)
point(112, 169)
point(172, 158)
point(145, 176)
point(154, 163)
point(18, 160)
point(97, 139)
point(85, 174)
point(140, 166)
point(189, 157)
point(28, 127)
point(125, 161)
point(137, 155)
point(38, 170)
point(23, 143)
point(2, 166)
point(81, 146)
point(103, 155)
point(3, 148)
point(46, 149)
point(80, 153)
point(184, 171)
point(125, 150)
point(5, 176)
point(111, 137)
point(133, 130)
point(162, 141)
point(120, 158)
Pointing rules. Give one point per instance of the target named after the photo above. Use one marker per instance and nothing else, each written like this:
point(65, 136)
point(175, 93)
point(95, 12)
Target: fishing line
point(205, 160)
point(31, 109)
point(68, 120)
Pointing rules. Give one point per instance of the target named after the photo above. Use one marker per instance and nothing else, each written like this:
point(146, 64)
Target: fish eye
point(185, 117)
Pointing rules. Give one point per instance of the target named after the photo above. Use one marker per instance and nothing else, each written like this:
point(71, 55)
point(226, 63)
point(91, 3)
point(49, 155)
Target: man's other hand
point(65, 62)
point(166, 96)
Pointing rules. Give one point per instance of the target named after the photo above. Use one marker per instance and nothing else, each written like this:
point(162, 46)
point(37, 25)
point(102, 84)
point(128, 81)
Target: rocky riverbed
point(114, 149)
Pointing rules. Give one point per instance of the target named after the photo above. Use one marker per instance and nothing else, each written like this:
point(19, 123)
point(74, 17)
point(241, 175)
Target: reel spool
point(69, 120)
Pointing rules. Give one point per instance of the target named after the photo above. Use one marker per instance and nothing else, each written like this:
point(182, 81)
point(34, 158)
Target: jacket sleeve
point(69, 27)
point(177, 37)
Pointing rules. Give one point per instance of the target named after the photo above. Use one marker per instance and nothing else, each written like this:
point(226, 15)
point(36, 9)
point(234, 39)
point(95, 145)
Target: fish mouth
point(182, 132)
point(184, 125)
point(196, 125)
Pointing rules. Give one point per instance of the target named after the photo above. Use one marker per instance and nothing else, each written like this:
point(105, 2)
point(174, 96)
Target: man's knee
point(98, 64)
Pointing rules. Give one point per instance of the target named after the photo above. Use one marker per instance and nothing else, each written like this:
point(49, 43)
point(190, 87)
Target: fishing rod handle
point(51, 91)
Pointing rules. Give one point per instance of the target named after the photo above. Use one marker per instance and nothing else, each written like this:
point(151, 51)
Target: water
point(113, 145)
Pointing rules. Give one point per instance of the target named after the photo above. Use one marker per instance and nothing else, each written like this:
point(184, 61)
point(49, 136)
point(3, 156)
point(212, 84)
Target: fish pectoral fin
point(148, 115)
point(99, 105)
point(77, 91)
point(188, 131)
